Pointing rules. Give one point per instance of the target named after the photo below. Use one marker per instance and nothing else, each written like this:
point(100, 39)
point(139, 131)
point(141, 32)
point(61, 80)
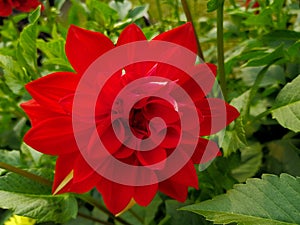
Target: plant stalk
point(189, 18)
point(26, 174)
point(220, 44)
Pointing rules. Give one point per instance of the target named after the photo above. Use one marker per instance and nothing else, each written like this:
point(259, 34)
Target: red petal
point(131, 33)
point(217, 115)
point(5, 8)
point(161, 108)
point(204, 75)
point(83, 47)
point(116, 196)
point(82, 170)
point(177, 185)
point(183, 35)
point(27, 5)
point(205, 151)
point(36, 112)
point(176, 191)
point(148, 158)
point(143, 195)
point(49, 89)
point(53, 136)
point(64, 165)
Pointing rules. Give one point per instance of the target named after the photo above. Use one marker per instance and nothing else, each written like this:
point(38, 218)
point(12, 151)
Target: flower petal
point(205, 151)
point(36, 112)
point(83, 47)
point(148, 158)
point(143, 195)
point(116, 196)
point(131, 33)
point(217, 115)
point(50, 136)
point(5, 8)
point(177, 185)
point(183, 35)
point(49, 89)
point(64, 166)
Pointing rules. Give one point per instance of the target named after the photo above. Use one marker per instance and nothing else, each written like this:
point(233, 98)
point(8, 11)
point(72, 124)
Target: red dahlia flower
point(7, 6)
point(53, 109)
point(255, 5)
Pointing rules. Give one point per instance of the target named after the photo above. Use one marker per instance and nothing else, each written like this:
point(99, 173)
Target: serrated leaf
point(29, 198)
point(286, 109)
point(59, 209)
point(26, 51)
point(13, 75)
point(270, 200)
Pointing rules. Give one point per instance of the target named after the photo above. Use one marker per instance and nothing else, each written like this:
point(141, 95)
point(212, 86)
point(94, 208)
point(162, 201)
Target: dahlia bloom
point(53, 109)
point(255, 5)
point(7, 6)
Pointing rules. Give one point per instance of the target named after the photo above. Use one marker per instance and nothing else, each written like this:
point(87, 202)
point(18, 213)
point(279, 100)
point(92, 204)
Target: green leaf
point(286, 109)
point(213, 5)
point(26, 51)
point(283, 157)
point(267, 59)
point(121, 7)
point(270, 200)
point(251, 160)
point(146, 214)
point(176, 217)
point(13, 75)
point(138, 12)
point(28, 198)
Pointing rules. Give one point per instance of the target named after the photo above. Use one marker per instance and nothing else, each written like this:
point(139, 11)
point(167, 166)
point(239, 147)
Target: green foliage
point(270, 200)
point(29, 198)
point(286, 107)
point(262, 55)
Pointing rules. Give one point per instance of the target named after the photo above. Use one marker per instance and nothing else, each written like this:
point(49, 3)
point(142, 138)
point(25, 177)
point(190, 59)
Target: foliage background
point(262, 64)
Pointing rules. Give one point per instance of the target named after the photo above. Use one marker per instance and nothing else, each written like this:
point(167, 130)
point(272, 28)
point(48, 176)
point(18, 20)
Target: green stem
point(93, 202)
point(159, 9)
point(220, 43)
point(26, 174)
point(94, 219)
point(189, 18)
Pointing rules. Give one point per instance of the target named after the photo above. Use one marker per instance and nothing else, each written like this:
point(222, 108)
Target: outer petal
point(143, 195)
point(83, 47)
point(183, 35)
point(5, 8)
point(26, 6)
point(176, 191)
point(64, 166)
point(205, 151)
point(36, 112)
point(49, 89)
point(177, 185)
point(133, 33)
point(53, 136)
point(217, 115)
point(116, 196)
